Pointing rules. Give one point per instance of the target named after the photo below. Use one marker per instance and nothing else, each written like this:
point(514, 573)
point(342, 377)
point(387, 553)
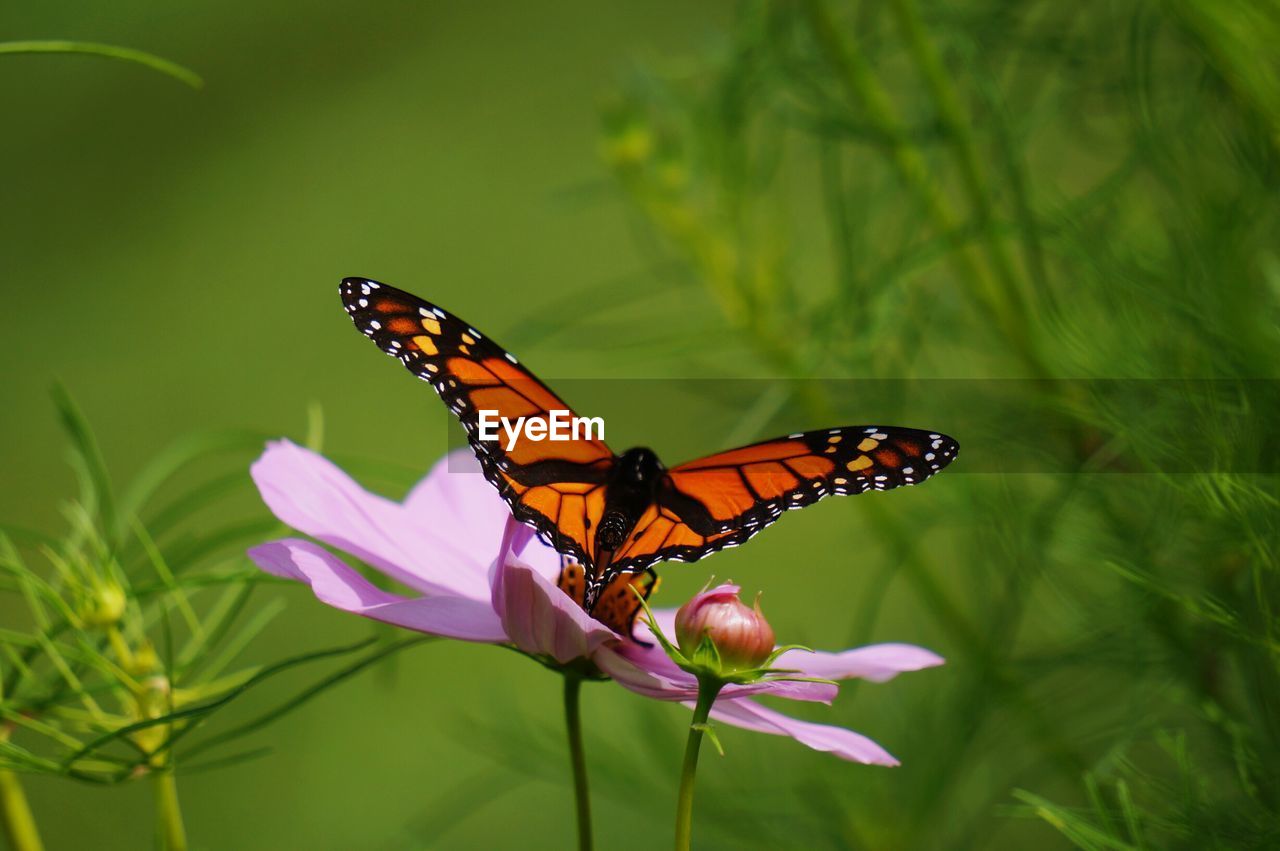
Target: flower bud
point(144, 659)
point(741, 635)
point(105, 605)
point(629, 145)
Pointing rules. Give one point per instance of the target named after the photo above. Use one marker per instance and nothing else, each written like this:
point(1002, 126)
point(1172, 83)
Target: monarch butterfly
point(614, 516)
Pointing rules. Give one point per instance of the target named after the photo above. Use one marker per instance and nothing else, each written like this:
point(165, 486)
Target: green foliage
point(1174, 805)
point(132, 632)
point(1031, 190)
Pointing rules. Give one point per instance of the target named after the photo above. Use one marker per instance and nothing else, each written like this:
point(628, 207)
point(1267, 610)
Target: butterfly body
point(632, 490)
point(614, 516)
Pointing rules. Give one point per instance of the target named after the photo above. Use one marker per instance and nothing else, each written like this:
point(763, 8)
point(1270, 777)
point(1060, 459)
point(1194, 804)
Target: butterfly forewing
point(722, 500)
point(557, 486)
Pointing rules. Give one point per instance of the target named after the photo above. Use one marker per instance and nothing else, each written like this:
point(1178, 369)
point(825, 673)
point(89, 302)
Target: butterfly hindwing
point(722, 500)
point(617, 604)
point(556, 486)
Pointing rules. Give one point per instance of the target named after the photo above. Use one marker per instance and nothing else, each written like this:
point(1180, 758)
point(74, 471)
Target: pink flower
point(440, 543)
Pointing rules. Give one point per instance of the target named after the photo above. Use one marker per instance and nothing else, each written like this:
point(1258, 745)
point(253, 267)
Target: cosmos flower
point(475, 574)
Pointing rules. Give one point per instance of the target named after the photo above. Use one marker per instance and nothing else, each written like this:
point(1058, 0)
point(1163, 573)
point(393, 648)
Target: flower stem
point(172, 834)
point(15, 815)
point(164, 66)
point(577, 758)
point(708, 688)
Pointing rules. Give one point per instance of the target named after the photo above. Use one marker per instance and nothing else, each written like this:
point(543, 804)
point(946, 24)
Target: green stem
point(15, 815)
point(111, 51)
point(577, 758)
point(172, 834)
point(707, 691)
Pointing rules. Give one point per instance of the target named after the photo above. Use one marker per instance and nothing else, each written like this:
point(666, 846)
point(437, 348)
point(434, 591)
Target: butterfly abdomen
point(613, 529)
point(632, 490)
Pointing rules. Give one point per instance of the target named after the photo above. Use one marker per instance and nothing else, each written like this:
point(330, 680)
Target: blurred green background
point(781, 191)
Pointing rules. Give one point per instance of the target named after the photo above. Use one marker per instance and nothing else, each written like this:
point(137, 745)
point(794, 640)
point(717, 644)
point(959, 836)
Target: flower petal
point(455, 496)
point(540, 618)
point(343, 588)
point(845, 744)
point(312, 495)
point(876, 662)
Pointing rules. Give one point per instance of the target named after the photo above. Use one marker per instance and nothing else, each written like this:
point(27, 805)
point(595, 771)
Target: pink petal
point(666, 619)
point(846, 744)
point(455, 496)
point(312, 495)
point(340, 586)
point(876, 662)
point(635, 678)
point(540, 618)
point(724, 589)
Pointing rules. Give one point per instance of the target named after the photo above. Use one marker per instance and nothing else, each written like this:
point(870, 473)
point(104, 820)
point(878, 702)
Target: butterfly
point(612, 517)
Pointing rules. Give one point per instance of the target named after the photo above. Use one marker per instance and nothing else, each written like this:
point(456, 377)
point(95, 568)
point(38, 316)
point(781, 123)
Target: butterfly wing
point(723, 499)
point(616, 605)
point(558, 487)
